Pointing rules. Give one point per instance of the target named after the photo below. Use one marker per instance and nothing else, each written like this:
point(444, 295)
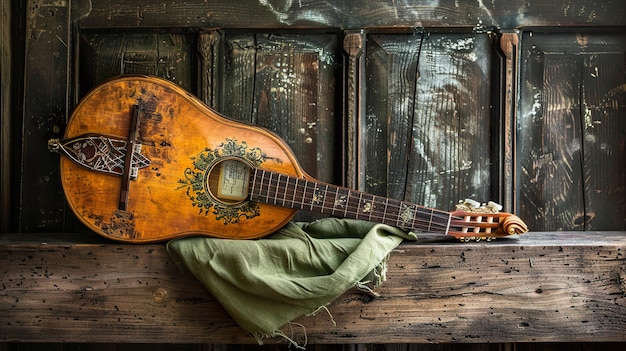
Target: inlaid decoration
point(195, 181)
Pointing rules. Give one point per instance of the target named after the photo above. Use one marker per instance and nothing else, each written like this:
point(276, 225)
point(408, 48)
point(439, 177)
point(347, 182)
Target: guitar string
point(455, 222)
point(394, 205)
point(274, 187)
point(290, 182)
point(267, 186)
point(353, 211)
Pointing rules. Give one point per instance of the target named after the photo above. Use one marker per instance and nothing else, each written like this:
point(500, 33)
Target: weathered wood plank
point(352, 14)
point(551, 184)
point(106, 55)
point(541, 287)
point(385, 131)
point(428, 118)
point(571, 123)
point(239, 77)
point(6, 122)
point(604, 136)
point(286, 83)
point(46, 107)
point(452, 123)
point(210, 49)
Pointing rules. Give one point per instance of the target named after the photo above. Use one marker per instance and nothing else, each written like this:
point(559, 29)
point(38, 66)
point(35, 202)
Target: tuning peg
point(471, 203)
point(494, 206)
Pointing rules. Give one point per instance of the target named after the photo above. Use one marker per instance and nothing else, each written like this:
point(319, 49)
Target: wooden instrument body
point(146, 161)
point(176, 132)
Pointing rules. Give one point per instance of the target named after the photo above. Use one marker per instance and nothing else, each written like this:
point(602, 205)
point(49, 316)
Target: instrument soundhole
point(228, 180)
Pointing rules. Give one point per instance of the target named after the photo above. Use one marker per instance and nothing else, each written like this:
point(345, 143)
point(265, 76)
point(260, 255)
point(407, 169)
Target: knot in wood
point(159, 295)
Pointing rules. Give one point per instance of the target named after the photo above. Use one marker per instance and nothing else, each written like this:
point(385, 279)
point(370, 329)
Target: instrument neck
point(292, 192)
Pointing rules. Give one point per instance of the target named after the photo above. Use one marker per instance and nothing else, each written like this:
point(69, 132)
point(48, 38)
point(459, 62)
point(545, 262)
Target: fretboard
point(287, 191)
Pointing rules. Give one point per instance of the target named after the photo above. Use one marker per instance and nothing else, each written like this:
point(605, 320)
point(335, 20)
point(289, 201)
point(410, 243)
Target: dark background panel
point(571, 131)
point(426, 134)
point(385, 130)
point(287, 84)
point(37, 195)
point(168, 55)
point(603, 95)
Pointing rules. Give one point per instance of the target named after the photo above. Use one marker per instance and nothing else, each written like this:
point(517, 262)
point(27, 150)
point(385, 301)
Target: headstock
point(475, 221)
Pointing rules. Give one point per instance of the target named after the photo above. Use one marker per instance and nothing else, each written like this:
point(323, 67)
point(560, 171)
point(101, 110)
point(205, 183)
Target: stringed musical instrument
point(146, 161)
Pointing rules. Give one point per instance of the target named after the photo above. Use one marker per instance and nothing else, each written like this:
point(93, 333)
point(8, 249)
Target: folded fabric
point(266, 283)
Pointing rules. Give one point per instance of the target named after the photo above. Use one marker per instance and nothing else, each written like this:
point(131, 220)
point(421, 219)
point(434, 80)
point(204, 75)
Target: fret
point(358, 207)
point(262, 184)
point(352, 205)
point(420, 219)
point(379, 208)
point(334, 206)
point(269, 185)
point(317, 198)
point(304, 193)
point(284, 188)
point(325, 194)
point(385, 211)
point(268, 182)
point(271, 189)
point(417, 220)
point(423, 218)
point(312, 197)
point(430, 221)
point(392, 211)
point(253, 185)
point(290, 189)
point(329, 198)
point(295, 188)
point(278, 189)
point(341, 201)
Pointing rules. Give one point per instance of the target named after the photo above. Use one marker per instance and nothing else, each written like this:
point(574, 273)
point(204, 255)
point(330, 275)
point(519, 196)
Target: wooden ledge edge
point(567, 238)
point(540, 287)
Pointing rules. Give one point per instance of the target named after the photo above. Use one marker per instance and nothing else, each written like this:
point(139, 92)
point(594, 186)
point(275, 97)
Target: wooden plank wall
point(425, 135)
point(572, 125)
point(5, 136)
point(58, 38)
point(403, 99)
point(286, 83)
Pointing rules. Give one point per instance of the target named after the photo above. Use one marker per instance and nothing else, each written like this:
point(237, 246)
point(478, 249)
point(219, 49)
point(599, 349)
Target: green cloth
point(266, 283)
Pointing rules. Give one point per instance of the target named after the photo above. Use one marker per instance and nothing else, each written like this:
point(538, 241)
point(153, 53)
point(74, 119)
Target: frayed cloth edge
point(281, 334)
point(380, 275)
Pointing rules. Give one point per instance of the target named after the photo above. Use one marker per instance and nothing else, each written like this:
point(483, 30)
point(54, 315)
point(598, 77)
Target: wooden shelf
point(540, 287)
